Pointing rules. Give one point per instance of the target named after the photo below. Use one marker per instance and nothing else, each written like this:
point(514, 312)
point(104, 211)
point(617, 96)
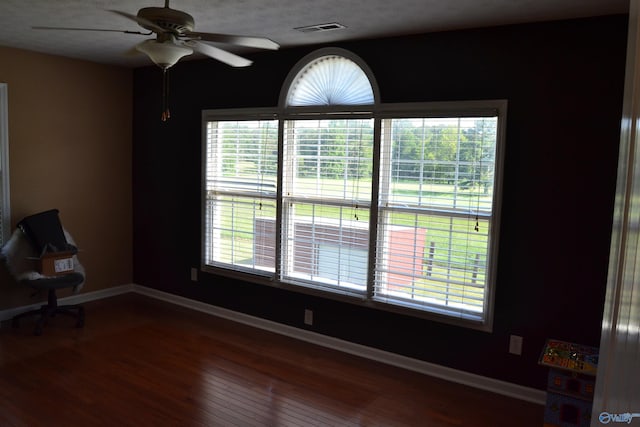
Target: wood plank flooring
point(142, 362)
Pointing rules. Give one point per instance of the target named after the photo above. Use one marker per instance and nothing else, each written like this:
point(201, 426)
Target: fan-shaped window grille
point(330, 80)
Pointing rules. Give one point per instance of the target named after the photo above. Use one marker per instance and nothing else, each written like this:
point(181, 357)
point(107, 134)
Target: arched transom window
point(331, 77)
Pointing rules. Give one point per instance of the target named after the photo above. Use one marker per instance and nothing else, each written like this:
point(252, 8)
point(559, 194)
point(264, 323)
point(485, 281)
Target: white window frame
point(379, 112)
point(443, 109)
point(207, 251)
point(345, 225)
point(5, 220)
point(488, 108)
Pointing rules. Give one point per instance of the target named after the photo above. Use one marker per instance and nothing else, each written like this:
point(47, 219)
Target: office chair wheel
point(38, 329)
point(80, 322)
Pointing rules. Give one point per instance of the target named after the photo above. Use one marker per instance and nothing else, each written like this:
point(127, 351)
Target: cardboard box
point(56, 263)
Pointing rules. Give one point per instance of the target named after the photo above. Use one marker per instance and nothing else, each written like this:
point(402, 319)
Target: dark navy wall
point(564, 84)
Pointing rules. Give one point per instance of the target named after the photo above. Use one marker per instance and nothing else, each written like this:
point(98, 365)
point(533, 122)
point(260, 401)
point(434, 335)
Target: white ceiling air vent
point(320, 27)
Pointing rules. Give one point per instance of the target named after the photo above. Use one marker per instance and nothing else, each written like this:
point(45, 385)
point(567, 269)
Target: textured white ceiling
point(275, 19)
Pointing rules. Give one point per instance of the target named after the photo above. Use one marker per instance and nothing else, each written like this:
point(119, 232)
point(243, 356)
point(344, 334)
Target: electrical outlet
point(515, 345)
point(308, 317)
point(194, 274)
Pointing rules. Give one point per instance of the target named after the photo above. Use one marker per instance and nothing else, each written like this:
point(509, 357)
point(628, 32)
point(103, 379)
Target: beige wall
point(70, 148)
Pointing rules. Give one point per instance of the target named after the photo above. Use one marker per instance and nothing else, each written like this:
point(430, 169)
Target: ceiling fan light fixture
point(163, 54)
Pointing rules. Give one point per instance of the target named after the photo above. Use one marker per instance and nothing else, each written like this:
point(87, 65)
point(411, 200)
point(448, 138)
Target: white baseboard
point(477, 381)
point(461, 377)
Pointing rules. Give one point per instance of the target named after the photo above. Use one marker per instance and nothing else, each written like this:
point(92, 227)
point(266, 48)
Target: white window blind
point(241, 179)
point(327, 178)
point(435, 214)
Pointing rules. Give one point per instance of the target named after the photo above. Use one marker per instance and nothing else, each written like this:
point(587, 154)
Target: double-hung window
point(390, 206)
point(435, 214)
point(240, 193)
point(326, 200)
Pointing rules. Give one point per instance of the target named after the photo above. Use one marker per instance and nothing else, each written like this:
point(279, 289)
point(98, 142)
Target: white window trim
point(379, 112)
point(4, 165)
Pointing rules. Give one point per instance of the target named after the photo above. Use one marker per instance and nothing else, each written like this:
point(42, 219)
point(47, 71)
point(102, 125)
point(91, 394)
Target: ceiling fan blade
point(247, 41)
point(89, 29)
point(141, 21)
point(132, 52)
point(219, 54)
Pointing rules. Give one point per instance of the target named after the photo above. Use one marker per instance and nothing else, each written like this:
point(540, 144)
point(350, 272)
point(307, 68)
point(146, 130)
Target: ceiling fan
point(175, 38)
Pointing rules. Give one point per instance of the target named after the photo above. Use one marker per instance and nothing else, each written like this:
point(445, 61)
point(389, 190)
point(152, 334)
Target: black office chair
point(44, 234)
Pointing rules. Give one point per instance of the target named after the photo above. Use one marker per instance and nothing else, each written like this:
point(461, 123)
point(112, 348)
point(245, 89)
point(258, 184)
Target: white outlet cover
point(515, 345)
point(308, 317)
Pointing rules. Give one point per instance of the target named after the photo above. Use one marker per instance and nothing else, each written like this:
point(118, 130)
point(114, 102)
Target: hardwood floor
point(142, 362)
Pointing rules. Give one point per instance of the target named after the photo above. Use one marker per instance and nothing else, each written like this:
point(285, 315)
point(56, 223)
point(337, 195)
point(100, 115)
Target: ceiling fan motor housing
point(171, 20)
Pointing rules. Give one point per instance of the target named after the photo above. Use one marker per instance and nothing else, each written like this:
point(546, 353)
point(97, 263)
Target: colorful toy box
point(570, 383)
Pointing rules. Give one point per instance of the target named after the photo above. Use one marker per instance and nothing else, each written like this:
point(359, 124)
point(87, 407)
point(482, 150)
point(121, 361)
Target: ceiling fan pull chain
point(165, 95)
